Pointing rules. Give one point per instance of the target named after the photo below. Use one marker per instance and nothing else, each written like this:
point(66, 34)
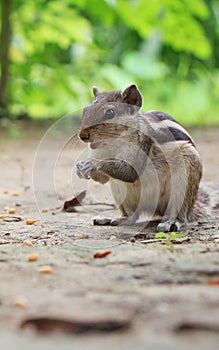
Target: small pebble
point(112, 238)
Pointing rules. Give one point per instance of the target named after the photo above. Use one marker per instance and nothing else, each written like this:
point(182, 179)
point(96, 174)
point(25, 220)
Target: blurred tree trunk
point(5, 38)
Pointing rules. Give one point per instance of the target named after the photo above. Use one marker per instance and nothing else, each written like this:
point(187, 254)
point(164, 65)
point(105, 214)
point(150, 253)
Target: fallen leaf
point(99, 255)
point(196, 326)
point(213, 282)
point(51, 325)
point(74, 202)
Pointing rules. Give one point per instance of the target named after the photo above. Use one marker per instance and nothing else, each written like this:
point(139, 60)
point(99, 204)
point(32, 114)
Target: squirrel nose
point(84, 135)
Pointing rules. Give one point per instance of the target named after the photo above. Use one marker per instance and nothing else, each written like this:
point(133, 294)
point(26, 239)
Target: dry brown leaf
point(213, 282)
point(51, 325)
point(99, 255)
point(74, 202)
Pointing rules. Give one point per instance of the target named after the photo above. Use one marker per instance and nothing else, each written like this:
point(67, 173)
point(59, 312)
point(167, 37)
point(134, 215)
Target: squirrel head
point(107, 109)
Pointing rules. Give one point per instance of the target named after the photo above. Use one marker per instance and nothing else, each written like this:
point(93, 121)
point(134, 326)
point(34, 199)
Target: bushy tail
point(207, 202)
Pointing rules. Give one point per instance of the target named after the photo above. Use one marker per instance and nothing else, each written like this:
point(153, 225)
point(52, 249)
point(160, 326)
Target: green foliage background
point(60, 49)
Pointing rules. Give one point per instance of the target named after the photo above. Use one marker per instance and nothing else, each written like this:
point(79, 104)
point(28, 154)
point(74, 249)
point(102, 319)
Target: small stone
point(112, 238)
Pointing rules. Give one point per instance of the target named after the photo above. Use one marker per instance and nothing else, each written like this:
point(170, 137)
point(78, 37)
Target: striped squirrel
point(149, 159)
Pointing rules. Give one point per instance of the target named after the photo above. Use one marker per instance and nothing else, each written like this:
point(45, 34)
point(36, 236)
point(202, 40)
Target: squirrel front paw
point(85, 168)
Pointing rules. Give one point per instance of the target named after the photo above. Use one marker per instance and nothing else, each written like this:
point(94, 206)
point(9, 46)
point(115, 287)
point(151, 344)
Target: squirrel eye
point(109, 114)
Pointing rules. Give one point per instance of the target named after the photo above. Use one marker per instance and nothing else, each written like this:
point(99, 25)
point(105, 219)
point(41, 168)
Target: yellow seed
point(28, 244)
point(45, 269)
point(30, 221)
point(15, 193)
point(33, 257)
point(80, 236)
point(45, 210)
point(20, 302)
point(11, 210)
point(55, 234)
point(2, 216)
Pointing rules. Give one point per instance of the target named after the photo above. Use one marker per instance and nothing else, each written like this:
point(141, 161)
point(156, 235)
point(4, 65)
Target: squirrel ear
point(95, 91)
point(132, 96)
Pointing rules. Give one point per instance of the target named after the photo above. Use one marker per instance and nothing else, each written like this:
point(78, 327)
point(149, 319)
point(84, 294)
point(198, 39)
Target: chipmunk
point(149, 159)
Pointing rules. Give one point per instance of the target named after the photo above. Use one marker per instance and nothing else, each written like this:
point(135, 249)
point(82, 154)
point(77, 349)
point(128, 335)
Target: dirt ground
point(148, 293)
